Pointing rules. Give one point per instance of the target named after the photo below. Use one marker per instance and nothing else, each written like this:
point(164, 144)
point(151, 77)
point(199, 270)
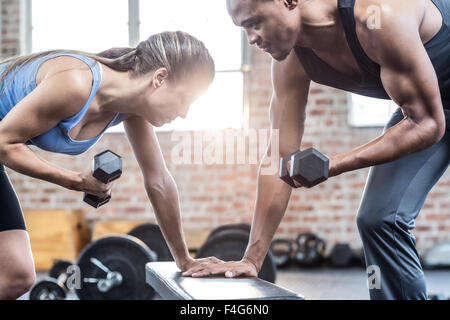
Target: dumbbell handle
point(113, 279)
point(284, 173)
point(96, 201)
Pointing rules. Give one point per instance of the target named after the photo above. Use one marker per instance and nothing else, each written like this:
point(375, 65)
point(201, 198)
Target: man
point(390, 49)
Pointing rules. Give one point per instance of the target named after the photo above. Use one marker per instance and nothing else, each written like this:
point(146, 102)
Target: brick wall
point(10, 27)
point(214, 194)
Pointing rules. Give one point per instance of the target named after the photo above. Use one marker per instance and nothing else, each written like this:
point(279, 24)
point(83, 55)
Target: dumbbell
point(308, 167)
point(106, 167)
point(53, 287)
point(341, 255)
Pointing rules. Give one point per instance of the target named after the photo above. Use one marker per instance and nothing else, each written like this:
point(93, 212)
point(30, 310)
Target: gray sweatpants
point(392, 198)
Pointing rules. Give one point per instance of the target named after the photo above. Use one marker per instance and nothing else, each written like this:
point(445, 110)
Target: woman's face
point(169, 99)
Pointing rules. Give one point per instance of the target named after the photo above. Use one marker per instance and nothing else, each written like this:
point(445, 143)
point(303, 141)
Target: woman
point(63, 101)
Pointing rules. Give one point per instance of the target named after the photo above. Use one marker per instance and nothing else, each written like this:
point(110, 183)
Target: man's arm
point(409, 78)
point(287, 116)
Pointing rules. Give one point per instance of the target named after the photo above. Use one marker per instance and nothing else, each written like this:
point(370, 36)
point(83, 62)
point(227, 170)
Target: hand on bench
point(230, 269)
point(166, 279)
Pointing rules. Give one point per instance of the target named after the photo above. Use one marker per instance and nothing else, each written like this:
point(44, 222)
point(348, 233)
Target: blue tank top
point(57, 139)
point(438, 49)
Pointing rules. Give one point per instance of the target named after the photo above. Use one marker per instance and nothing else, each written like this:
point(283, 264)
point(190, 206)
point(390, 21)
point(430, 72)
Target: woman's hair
point(178, 52)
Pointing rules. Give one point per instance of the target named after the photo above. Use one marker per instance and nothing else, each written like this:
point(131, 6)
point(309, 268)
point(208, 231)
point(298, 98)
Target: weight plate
point(123, 254)
point(47, 289)
point(152, 236)
point(232, 226)
point(230, 245)
point(59, 267)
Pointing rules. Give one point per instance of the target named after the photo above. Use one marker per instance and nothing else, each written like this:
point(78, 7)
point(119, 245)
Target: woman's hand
point(230, 269)
point(87, 183)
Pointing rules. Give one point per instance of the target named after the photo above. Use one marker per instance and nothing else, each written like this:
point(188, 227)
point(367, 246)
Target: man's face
point(271, 25)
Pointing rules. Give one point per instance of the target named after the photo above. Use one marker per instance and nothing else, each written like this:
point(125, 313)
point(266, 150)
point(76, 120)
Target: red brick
point(437, 216)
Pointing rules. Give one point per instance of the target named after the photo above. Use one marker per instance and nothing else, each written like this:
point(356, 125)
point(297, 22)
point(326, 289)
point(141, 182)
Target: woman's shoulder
point(69, 67)
point(68, 82)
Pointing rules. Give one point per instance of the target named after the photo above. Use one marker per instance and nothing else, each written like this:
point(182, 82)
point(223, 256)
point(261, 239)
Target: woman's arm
point(159, 184)
point(54, 99)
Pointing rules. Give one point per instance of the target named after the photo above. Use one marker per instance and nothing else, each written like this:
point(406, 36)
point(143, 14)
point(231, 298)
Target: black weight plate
point(230, 246)
point(47, 289)
point(152, 236)
point(59, 267)
point(232, 226)
point(121, 253)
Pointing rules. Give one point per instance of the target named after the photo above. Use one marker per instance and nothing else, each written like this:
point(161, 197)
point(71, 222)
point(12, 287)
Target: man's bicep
point(416, 91)
point(409, 78)
point(407, 73)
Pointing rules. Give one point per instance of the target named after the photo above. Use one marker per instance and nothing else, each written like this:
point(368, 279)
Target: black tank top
point(438, 49)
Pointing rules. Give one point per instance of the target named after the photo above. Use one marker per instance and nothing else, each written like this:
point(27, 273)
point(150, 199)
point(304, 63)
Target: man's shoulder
point(385, 26)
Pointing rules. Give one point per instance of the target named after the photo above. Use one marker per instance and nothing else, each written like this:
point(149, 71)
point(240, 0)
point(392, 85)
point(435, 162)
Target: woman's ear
point(159, 77)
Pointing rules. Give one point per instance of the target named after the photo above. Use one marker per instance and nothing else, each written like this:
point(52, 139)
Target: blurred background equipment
point(437, 257)
point(310, 250)
point(113, 268)
point(282, 250)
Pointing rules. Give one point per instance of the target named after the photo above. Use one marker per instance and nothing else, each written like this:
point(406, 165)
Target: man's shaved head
point(272, 25)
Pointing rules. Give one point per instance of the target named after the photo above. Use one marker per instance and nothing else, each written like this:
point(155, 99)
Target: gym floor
point(333, 284)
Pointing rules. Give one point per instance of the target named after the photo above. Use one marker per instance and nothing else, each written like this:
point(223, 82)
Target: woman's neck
point(119, 92)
